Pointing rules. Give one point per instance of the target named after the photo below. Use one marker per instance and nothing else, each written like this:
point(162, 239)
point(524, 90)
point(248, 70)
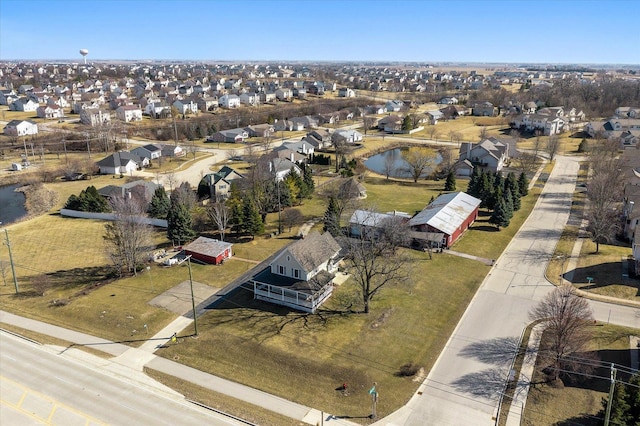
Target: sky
point(506, 31)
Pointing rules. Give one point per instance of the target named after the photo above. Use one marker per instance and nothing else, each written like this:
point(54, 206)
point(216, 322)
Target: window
point(281, 270)
point(296, 273)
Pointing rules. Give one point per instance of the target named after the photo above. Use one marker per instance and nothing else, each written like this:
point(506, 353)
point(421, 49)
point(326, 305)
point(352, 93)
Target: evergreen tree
point(498, 181)
point(293, 181)
point(179, 223)
point(309, 186)
point(236, 218)
point(485, 191)
point(523, 184)
point(252, 221)
point(625, 405)
point(160, 204)
point(508, 202)
point(332, 217)
point(499, 217)
point(511, 183)
point(450, 184)
point(407, 124)
point(89, 200)
point(474, 186)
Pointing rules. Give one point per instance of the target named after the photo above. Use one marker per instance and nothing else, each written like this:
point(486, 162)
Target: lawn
point(270, 347)
point(579, 402)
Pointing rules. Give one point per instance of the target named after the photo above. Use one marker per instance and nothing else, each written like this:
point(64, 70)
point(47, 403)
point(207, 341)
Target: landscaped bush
point(409, 369)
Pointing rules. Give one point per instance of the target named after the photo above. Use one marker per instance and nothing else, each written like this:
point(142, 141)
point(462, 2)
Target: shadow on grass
point(264, 320)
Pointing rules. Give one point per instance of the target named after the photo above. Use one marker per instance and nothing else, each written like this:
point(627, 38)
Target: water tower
point(84, 53)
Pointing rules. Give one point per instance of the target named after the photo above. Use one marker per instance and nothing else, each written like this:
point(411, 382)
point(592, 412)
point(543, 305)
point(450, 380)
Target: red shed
point(450, 214)
point(208, 250)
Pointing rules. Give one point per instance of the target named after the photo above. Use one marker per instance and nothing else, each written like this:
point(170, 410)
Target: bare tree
point(604, 194)
point(171, 179)
point(4, 268)
point(389, 163)
point(376, 259)
point(219, 214)
point(431, 131)
point(569, 321)
point(553, 146)
point(128, 237)
point(367, 123)
point(484, 133)
point(418, 161)
point(291, 218)
point(448, 161)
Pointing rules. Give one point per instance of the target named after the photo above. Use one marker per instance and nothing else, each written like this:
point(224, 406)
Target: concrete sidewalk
point(128, 363)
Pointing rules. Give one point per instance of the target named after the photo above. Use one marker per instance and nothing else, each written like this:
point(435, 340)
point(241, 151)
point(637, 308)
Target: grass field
point(261, 345)
point(578, 403)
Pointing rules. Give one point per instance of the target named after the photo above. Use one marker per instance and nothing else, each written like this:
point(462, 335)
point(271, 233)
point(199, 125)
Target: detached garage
point(208, 250)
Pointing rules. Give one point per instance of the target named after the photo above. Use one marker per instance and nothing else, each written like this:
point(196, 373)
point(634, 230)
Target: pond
point(11, 204)
point(378, 163)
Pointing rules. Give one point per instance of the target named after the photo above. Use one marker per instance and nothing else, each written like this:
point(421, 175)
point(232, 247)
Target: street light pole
point(193, 302)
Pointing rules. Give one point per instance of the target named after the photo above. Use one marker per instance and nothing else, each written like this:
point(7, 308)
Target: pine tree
point(179, 223)
point(508, 202)
point(309, 186)
point(236, 218)
point(499, 217)
point(511, 183)
point(160, 204)
point(332, 218)
point(485, 191)
point(625, 406)
point(523, 184)
point(252, 221)
point(473, 188)
point(450, 184)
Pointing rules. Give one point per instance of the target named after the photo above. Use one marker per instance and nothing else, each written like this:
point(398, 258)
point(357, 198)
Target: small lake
point(11, 204)
point(378, 162)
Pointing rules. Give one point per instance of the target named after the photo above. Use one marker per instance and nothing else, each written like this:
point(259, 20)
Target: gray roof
point(207, 246)
point(314, 250)
point(118, 159)
point(447, 212)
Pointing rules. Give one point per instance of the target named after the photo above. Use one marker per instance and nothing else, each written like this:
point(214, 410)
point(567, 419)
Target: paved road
point(42, 387)
point(464, 386)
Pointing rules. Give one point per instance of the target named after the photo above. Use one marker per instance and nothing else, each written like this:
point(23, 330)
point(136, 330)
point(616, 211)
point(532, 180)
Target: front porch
point(305, 296)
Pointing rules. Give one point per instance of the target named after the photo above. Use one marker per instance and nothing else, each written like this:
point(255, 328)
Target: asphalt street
point(38, 386)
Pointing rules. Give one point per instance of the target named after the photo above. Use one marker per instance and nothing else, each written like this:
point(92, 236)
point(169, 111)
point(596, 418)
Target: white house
point(490, 154)
point(24, 105)
point(121, 163)
point(301, 275)
point(347, 136)
point(251, 99)
point(50, 112)
point(128, 113)
point(150, 151)
point(20, 128)
point(229, 101)
point(94, 116)
point(185, 107)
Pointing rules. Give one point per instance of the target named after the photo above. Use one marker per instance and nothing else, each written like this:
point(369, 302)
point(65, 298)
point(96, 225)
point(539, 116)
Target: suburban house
point(491, 154)
point(122, 162)
point(185, 106)
point(284, 94)
point(150, 151)
point(301, 275)
point(95, 116)
point(208, 103)
point(394, 106)
point(288, 125)
point(140, 190)
point(346, 136)
point(319, 139)
point(218, 185)
point(128, 113)
point(483, 109)
point(390, 124)
point(546, 124)
point(172, 151)
point(346, 92)
point(301, 146)
point(251, 99)
point(450, 214)
point(50, 111)
point(260, 130)
point(24, 105)
point(230, 136)
point(229, 101)
point(20, 128)
point(369, 224)
point(280, 167)
point(157, 109)
point(208, 250)
point(627, 112)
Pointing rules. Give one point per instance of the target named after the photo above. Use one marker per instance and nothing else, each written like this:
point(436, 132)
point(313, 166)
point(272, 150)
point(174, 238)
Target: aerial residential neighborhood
point(276, 221)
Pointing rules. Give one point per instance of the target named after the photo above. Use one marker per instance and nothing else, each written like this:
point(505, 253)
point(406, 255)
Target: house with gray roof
point(122, 162)
point(301, 275)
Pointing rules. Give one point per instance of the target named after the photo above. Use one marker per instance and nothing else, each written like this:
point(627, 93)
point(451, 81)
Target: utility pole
point(193, 302)
point(611, 389)
point(13, 268)
point(88, 146)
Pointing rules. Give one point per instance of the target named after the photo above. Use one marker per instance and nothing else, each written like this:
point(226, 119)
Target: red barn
point(208, 250)
point(450, 214)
